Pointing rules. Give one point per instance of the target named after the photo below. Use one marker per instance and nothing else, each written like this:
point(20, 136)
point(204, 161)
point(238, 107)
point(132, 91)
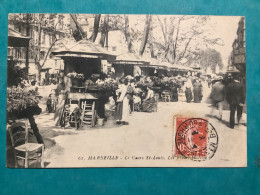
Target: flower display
point(22, 102)
point(74, 75)
point(20, 98)
point(106, 85)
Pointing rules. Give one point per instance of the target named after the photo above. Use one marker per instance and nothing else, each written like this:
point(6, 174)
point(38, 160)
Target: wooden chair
point(166, 96)
point(69, 116)
point(30, 153)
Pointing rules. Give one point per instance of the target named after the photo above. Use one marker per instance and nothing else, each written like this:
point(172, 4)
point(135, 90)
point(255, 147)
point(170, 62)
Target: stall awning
point(84, 49)
point(16, 39)
point(128, 58)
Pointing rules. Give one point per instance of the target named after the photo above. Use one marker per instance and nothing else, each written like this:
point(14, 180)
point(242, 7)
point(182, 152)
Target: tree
point(182, 36)
point(145, 34)
point(151, 42)
point(104, 31)
point(210, 58)
point(95, 28)
point(45, 22)
point(167, 35)
point(127, 35)
point(78, 32)
point(39, 24)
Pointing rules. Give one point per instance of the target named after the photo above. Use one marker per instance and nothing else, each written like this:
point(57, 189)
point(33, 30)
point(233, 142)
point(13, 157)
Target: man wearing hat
point(235, 97)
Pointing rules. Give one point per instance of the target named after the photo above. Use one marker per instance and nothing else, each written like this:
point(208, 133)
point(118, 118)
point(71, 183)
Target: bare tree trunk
point(27, 48)
point(185, 49)
point(95, 28)
point(38, 50)
point(37, 58)
point(151, 40)
point(49, 50)
point(127, 35)
point(104, 31)
point(161, 25)
point(102, 39)
point(176, 42)
point(145, 35)
point(107, 32)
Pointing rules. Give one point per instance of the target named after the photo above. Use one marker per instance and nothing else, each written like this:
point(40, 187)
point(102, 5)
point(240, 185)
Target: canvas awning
point(16, 39)
point(84, 49)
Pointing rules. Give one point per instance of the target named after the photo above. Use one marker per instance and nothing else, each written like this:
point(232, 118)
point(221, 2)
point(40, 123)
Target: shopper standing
point(235, 97)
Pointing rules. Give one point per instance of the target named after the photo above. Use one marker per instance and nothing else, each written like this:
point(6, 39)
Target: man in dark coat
point(236, 98)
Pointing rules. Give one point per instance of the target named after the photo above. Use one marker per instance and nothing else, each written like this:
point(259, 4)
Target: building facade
point(238, 55)
point(27, 25)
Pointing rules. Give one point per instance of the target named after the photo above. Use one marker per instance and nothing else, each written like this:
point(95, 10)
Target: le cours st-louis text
point(133, 157)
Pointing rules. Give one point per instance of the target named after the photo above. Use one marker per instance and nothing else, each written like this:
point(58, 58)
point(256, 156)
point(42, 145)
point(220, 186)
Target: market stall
point(84, 65)
point(128, 64)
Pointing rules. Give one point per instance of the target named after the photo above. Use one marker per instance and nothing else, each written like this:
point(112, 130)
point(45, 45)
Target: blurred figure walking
point(235, 97)
point(217, 96)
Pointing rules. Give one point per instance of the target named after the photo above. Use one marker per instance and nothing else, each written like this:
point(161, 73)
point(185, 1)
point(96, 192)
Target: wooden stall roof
point(84, 49)
point(148, 62)
point(129, 58)
point(16, 39)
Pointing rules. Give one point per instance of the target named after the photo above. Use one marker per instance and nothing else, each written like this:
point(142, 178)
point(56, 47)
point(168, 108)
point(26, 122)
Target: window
point(17, 53)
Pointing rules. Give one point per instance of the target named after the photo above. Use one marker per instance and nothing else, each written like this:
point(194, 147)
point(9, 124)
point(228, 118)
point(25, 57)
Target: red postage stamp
point(195, 138)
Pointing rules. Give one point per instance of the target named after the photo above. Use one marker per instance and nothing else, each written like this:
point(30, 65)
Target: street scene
point(99, 90)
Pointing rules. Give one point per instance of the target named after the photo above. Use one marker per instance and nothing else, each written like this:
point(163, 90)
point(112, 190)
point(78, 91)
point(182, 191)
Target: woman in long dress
point(188, 90)
point(122, 108)
point(174, 90)
point(197, 90)
point(60, 108)
point(62, 95)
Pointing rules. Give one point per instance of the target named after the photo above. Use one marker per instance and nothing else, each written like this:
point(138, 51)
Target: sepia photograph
point(115, 90)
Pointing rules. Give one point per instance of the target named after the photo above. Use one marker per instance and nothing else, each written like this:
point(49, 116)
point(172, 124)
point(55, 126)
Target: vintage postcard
point(109, 90)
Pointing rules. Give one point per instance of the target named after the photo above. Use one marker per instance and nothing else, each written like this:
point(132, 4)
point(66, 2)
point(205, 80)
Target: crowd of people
point(141, 94)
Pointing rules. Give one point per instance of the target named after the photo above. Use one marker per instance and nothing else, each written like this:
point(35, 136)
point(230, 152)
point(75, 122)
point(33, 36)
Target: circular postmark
point(196, 139)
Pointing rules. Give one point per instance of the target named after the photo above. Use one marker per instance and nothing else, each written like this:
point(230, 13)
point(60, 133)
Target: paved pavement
point(148, 135)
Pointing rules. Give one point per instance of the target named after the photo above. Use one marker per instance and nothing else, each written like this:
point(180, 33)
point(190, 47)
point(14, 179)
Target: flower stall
point(84, 75)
